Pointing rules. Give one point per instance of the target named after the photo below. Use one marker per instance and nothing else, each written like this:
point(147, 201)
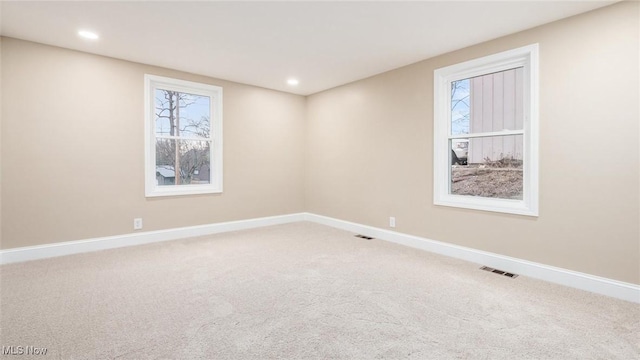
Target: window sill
point(183, 190)
point(515, 207)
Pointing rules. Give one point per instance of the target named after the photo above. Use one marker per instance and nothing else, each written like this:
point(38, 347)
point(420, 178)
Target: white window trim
point(526, 57)
point(151, 82)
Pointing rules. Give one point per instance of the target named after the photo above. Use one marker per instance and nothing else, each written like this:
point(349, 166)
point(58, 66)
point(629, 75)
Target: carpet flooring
point(299, 291)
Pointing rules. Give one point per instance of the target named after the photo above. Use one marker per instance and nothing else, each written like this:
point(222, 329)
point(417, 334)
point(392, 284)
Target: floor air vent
point(500, 272)
point(364, 237)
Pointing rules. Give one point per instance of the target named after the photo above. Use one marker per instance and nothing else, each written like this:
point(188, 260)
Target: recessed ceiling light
point(88, 35)
point(293, 82)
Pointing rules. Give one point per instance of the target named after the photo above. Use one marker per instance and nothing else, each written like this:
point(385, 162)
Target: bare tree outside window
point(460, 107)
point(182, 131)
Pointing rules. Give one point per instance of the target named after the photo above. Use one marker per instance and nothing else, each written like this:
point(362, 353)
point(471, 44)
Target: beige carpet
point(300, 291)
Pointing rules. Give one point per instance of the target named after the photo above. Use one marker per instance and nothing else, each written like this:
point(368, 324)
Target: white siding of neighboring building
point(496, 104)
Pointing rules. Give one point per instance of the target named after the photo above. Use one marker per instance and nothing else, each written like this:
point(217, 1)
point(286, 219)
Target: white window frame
point(526, 57)
point(153, 82)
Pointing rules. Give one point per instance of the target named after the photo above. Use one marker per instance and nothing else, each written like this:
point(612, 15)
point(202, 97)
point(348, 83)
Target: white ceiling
point(323, 44)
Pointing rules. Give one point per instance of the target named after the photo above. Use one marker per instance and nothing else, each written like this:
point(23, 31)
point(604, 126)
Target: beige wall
point(73, 150)
point(1, 114)
point(370, 151)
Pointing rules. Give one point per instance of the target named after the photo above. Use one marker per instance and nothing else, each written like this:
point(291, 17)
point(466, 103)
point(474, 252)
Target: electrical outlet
point(137, 223)
point(392, 222)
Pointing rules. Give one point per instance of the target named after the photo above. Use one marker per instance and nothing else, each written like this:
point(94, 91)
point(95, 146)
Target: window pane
point(192, 158)
point(487, 167)
point(182, 114)
point(488, 103)
point(460, 107)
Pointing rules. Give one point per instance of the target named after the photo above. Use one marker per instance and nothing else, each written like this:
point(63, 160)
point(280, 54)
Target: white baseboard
point(574, 279)
point(578, 280)
point(138, 238)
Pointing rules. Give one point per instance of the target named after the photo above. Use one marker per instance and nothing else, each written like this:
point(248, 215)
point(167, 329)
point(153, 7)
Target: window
point(486, 133)
point(183, 126)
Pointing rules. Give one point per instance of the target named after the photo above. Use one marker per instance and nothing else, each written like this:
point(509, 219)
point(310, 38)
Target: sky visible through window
point(194, 114)
point(460, 109)
point(182, 127)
